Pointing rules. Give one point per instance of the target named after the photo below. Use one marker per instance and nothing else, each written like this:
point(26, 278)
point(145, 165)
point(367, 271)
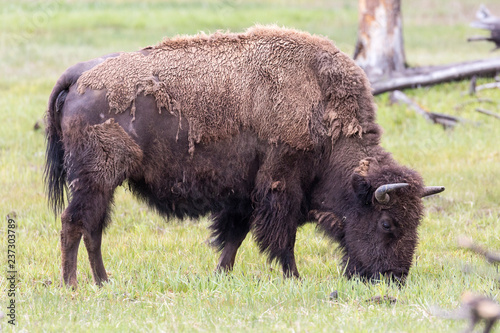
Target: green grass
point(161, 272)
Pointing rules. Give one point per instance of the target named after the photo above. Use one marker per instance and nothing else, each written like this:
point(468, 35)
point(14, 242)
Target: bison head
point(377, 229)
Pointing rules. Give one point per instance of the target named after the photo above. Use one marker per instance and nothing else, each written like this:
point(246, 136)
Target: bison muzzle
point(266, 130)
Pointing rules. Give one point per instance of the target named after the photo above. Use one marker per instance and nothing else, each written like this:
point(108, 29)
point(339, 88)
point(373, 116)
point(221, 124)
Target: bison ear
point(360, 184)
point(362, 188)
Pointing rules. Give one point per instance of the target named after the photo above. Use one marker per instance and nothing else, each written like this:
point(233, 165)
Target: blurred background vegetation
point(41, 37)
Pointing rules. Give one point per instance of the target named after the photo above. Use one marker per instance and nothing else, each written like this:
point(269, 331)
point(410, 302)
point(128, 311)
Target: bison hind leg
point(97, 158)
point(71, 235)
point(230, 227)
point(86, 215)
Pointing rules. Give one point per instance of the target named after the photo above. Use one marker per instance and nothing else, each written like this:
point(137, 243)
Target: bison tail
point(55, 174)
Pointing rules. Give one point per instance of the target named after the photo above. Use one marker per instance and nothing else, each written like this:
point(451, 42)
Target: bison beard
point(265, 130)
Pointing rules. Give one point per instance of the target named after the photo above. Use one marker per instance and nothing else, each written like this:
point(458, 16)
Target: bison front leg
point(276, 218)
point(228, 256)
point(230, 227)
point(287, 260)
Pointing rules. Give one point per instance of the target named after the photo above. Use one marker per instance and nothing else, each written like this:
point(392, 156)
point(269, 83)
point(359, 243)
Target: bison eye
point(386, 225)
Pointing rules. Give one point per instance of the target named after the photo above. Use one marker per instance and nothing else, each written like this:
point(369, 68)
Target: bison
point(265, 130)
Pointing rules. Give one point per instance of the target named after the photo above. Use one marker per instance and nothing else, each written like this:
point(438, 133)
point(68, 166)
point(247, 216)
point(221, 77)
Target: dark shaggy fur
point(284, 131)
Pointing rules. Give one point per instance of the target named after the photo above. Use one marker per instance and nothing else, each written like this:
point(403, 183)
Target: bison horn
point(381, 194)
point(430, 190)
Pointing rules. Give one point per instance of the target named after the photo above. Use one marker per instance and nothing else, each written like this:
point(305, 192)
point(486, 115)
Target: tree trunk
point(380, 49)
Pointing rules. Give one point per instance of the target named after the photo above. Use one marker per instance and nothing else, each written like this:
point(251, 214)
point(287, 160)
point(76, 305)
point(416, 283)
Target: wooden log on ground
point(423, 76)
point(380, 50)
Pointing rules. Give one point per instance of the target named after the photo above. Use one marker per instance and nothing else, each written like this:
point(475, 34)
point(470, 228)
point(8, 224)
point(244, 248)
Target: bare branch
point(491, 85)
point(489, 113)
point(472, 86)
point(467, 243)
point(437, 118)
point(477, 100)
point(480, 308)
point(488, 22)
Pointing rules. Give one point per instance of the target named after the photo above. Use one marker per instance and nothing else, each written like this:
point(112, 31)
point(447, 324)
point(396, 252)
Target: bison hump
point(285, 85)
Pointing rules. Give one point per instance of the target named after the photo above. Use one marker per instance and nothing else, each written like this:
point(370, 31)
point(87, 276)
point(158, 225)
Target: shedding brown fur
point(109, 154)
point(287, 86)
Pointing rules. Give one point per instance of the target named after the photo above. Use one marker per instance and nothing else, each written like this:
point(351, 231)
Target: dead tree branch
point(489, 113)
point(379, 51)
point(446, 121)
point(491, 85)
point(467, 243)
point(477, 100)
point(480, 308)
point(489, 22)
point(424, 76)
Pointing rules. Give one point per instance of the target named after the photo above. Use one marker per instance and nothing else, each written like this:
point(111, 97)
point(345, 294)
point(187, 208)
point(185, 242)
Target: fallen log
point(384, 61)
point(424, 76)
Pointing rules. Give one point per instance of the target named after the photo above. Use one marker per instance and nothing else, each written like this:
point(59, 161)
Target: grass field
point(162, 271)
